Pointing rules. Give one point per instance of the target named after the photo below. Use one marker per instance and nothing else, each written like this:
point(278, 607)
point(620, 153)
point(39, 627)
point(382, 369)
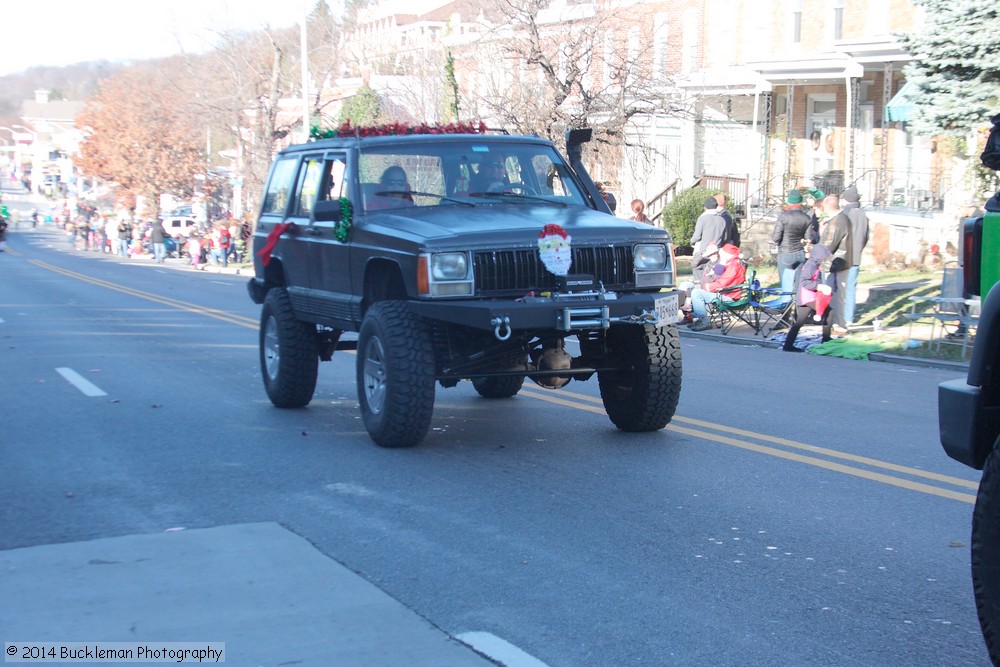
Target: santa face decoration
point(554, 249)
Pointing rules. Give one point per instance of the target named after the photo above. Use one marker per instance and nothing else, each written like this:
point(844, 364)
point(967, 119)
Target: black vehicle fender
point(969, 409)
point(383, 281)
point(274, 276)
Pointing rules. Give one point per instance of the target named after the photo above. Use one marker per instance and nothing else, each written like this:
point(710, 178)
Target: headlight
point(650, 257)
point(449, 266)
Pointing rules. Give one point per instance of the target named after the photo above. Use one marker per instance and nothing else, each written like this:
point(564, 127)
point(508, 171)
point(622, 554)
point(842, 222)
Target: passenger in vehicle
point(393, 190)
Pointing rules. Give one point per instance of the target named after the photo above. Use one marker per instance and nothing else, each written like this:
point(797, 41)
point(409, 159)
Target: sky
point(64, 32)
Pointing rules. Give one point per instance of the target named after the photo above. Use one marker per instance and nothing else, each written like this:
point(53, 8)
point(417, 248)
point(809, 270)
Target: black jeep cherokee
point(459, 257)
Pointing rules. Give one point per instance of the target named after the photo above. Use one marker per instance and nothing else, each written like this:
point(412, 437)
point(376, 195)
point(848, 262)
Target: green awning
point(900, 107)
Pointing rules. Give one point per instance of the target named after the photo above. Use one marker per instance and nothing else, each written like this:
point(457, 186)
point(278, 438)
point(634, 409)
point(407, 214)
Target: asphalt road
point(798, 510)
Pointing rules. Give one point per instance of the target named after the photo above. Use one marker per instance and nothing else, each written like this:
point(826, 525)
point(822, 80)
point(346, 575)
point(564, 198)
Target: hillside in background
point(72, 82)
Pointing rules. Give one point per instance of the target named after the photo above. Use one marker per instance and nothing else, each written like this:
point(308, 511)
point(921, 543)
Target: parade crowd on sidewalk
point(222, 242)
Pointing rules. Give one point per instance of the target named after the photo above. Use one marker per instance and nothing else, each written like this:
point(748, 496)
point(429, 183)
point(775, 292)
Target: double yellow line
point(788, 450)
point(222, 315)
point(829, 459)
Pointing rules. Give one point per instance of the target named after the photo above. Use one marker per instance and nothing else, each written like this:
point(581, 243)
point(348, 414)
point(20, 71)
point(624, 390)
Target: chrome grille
point(519, 271)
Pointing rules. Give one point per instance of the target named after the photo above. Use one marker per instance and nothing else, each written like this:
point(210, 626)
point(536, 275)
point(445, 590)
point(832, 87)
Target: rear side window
point(279, 187)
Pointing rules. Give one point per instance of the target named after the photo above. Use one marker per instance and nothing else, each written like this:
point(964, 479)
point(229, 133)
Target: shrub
point(680, 215)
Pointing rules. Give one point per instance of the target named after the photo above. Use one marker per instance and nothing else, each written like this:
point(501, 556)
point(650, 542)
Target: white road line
point(88, 388)
point(499, 650)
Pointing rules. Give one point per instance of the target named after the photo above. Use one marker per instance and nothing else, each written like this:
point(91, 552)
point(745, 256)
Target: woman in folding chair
point(734, 273)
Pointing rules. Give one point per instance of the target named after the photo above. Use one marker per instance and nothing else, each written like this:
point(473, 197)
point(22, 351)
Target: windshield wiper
point(518, 195)
point(396, 194)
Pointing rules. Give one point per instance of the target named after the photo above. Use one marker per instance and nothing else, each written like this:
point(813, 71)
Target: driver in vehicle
point(492, 176)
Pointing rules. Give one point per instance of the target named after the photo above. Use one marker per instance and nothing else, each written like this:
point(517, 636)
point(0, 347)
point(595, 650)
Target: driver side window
point(308, 185)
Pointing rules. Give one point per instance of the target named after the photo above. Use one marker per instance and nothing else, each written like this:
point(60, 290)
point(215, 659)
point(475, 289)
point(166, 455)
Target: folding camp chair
point(775, 309)
point(736, 306)
point(952, 316)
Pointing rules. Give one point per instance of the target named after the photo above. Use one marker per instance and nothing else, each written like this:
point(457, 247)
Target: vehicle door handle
point(313, 231)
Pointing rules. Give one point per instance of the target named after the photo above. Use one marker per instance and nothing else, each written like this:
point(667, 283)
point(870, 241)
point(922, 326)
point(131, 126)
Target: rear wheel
point(642, 394)
point(986, 554)
point(289, 352)
point(395, 375)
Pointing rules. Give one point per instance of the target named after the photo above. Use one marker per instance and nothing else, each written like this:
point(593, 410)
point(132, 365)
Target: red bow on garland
point(272, 240)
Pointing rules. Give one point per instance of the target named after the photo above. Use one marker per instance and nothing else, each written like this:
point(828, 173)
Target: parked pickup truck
point(969, 408)
point(459, 256)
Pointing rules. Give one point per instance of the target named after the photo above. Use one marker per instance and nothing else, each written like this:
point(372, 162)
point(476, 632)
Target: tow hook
point(501, 327)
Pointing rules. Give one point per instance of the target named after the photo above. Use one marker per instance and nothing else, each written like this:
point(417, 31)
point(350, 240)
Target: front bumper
point(563, 313)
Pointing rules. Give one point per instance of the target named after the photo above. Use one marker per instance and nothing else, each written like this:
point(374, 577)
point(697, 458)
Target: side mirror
point(327, 211)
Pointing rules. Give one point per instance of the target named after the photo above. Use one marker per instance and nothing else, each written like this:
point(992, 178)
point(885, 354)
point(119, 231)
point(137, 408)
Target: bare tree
point(545, 68)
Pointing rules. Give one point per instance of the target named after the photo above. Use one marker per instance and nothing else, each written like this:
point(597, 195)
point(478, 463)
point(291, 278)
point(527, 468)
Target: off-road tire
point(395, 375)
point(498, 387)
point(642, 394)
point(986, 554)
point(289, 352)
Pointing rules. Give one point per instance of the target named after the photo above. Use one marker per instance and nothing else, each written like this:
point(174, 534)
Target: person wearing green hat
point(792, 228)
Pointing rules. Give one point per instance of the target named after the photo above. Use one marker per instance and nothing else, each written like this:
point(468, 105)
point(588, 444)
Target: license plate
point(667, 310)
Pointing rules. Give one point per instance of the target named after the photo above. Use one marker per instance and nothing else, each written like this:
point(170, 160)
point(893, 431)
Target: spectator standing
point(837, 239)
point(734, 273)
point(194, 250)
point(3, 234)
point(234, 235)
point(158, 236)
point(111, 234)
point(812, 298)
point(792, 229)
point(708, 231)
point(732, 234)
point(124, 232)
point(220, 244)
point(639, 211)
point(859, 239)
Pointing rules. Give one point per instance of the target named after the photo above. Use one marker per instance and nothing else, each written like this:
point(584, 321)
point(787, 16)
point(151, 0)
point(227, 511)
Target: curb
point(883, 357)
point(918, 361)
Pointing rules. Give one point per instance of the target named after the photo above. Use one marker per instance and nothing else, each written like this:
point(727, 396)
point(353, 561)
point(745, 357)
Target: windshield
point(473, 172)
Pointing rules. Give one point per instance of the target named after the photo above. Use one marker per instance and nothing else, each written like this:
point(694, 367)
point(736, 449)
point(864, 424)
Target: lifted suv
point(459, 257)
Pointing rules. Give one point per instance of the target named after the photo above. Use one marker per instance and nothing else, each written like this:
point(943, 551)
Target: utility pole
point(305, 74)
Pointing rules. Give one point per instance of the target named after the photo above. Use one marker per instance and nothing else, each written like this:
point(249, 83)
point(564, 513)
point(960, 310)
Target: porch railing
point(735, 187)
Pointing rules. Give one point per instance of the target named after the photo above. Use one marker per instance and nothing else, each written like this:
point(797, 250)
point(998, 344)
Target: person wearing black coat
point(792, 229)
point(158, 236)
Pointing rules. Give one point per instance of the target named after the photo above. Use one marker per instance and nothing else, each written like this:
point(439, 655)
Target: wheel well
point(383, 282)
point(274, 274)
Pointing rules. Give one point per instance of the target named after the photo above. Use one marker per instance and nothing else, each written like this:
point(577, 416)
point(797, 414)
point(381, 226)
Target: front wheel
point(289, 352)
point(395, 375)
point(986, 554)
point(642, 393)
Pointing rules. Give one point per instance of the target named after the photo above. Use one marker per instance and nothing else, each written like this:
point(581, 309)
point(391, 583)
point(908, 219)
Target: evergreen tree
point(956, 65)
point(362, 108)
point(451, 83)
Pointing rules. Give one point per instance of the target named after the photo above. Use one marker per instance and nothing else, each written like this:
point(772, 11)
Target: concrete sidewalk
point(265, 592)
